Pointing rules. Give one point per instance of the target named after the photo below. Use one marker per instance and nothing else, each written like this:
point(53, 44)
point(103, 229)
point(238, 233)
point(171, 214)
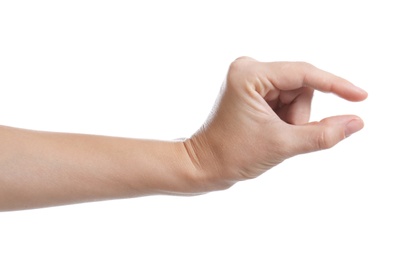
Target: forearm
point(39, 169)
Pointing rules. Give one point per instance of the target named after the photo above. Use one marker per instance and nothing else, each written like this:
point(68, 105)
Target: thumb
point(325, 134)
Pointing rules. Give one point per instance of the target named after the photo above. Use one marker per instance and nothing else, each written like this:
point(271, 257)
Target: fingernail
point(353, 126)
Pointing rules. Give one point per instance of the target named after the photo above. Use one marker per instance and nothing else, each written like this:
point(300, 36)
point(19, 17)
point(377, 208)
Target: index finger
point(293, 75)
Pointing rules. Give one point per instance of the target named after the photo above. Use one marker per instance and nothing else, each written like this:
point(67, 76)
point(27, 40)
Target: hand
point(261, 118)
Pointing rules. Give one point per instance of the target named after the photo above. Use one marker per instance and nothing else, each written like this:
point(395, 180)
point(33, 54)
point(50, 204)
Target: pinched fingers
point(321, 135)
point(293, 75)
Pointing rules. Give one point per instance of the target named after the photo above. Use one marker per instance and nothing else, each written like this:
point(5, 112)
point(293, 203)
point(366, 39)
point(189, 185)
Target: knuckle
point(242, 72)
point(238, 64)
point(303, 68)
point(325, 139)
point(242, 62)
point(304, 64)
point(243, 58)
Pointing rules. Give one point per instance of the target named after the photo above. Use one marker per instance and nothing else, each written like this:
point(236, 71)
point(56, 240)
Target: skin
point(259, 120)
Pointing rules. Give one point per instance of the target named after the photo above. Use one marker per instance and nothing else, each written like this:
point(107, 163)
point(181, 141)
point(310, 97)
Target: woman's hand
point(261, 118)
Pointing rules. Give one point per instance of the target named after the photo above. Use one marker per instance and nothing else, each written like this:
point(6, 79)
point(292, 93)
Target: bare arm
point(259, 120)
point(39, 169)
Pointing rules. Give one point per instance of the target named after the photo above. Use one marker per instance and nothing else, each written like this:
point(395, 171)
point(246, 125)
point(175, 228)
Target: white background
point(152, 69)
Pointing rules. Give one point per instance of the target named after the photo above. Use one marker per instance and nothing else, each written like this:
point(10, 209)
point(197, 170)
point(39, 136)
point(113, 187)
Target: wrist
point(207, 171)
